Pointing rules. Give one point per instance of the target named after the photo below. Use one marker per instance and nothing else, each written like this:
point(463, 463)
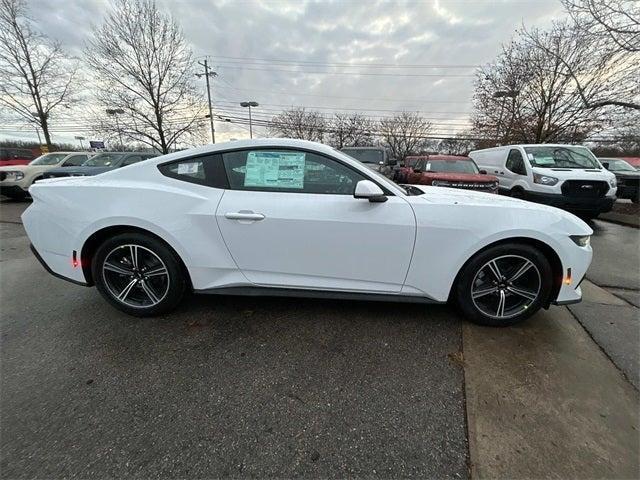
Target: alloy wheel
point(506, 286)
point(135, 276)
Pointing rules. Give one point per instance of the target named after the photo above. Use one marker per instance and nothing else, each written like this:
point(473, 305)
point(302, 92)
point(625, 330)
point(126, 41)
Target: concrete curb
point(621, 218)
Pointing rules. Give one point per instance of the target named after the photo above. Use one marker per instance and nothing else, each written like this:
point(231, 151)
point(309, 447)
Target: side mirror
point(605, 165)
point(369, 190)
point(483, 172)
point(416, 170)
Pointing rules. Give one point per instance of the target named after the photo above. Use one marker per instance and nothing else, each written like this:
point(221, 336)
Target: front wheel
point(138, 274)
point(504, 285)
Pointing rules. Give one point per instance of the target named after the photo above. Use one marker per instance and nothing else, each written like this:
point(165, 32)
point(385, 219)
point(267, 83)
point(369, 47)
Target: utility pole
point(207, 74)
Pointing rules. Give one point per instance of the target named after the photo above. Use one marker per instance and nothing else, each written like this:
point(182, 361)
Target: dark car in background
point(103, 162)
point(627, 177)
point(446, 171)
point(376, 158)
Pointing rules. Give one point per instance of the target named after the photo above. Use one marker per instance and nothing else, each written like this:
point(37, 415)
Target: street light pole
point(503, 94)
point(249, 104)
point(208, 74)
point(115, 112)
point(80, 139)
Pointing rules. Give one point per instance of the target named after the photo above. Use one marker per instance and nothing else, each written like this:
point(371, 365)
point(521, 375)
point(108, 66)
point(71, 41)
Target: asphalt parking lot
point(248, 387)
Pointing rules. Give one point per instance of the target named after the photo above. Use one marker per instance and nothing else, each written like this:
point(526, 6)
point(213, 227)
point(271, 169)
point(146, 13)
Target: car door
point(514, 169)
point(289, 219)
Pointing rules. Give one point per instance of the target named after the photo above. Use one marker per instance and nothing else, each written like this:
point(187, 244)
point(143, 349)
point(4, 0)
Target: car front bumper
point(12, 189)
point(573, 204)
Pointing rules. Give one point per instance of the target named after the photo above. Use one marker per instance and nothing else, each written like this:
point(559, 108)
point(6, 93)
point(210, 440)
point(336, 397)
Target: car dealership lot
point(288, 387)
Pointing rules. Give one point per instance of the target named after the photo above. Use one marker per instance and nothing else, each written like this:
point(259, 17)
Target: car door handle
point(251, 216)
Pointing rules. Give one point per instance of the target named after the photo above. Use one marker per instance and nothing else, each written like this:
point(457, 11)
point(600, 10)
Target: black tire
point(152, 255)
point(517, 193)
point(475, 277)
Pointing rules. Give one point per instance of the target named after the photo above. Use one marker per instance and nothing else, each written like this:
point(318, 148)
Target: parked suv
point(16, 179)
point(628, 178)
point(376, 158)
point(15, 156)
point(103, 162)
point(564, 176)
point(446, 171)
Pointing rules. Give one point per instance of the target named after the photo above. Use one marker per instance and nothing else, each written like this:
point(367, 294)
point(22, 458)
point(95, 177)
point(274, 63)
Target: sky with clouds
point(292, 53)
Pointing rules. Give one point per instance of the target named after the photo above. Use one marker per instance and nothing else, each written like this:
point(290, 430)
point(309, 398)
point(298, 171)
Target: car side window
point(192, 170)
point(130, 160)
point(75, 161)
point(291, 171)
point(515, 162)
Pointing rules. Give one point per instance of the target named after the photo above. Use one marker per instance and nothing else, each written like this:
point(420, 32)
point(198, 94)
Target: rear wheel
point(504, 285)
point(138, 274)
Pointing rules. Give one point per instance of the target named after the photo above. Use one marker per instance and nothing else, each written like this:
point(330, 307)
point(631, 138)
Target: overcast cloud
point(432, 32)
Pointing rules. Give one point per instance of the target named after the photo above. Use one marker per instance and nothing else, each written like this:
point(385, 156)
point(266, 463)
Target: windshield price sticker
point(275, 170)
point(187, 168)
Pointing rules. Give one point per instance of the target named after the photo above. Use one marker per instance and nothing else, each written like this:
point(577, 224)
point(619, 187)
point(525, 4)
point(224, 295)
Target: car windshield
point(619, 165)
point(561, 157)
point(49, 159)
point(450, 166)
point(103, 160)
point(365, 155)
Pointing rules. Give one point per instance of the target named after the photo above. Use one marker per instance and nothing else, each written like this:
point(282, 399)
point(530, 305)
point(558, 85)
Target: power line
point(340, 64)
point(365, 74)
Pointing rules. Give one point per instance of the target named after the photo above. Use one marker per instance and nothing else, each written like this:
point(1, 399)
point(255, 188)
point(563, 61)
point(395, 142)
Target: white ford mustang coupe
point(296, 218)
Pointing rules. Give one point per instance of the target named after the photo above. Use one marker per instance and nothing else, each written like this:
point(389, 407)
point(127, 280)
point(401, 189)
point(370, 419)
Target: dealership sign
point(96, 144)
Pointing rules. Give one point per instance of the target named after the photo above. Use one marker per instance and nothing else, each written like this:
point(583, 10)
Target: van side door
point(514, 169)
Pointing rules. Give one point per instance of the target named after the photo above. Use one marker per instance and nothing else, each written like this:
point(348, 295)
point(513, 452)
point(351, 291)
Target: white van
point(564, 176)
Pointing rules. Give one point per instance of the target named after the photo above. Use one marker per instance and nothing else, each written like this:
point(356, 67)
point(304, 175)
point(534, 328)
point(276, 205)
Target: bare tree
point(458, 145)
point(144, 67)
point(350, 130)
point(613, 21)
point(36, 77)
point(299, 123)
point(530, 95)
point(602, 73)
point(404, 134)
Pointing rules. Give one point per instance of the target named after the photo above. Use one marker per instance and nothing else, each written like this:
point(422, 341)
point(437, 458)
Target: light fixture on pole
point(249, 104)
point(115, 112)
point(78, 137)
point(502, 94)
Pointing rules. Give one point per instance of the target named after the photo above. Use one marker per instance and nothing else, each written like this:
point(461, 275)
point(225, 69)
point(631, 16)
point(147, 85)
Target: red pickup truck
point(446, 171)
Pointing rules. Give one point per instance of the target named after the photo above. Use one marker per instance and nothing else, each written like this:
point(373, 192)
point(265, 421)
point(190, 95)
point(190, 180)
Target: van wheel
point(517, 193)
point(504, 285)
point(138, 274)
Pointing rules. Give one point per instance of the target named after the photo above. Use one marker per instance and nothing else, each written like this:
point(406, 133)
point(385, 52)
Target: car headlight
point(613, 182)
point(544, 179)
point(581, 240)
point(441, 183)
point(15, 175)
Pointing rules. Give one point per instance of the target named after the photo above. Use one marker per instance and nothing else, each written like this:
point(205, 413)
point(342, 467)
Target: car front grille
point(585, 188)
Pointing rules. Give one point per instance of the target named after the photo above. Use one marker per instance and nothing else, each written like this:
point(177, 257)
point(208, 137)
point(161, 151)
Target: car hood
point(459, 177)
point(13, 168)
point(454, 196)
point(626, 174)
